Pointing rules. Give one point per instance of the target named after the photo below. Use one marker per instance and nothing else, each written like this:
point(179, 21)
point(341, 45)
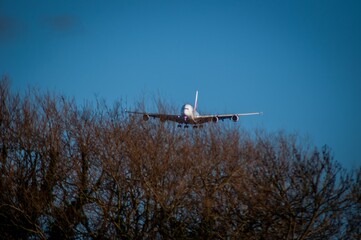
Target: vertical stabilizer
point(196, 102)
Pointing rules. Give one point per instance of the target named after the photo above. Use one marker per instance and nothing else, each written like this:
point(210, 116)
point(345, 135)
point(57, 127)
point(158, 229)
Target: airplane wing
point(216, 118)
point(162, 117)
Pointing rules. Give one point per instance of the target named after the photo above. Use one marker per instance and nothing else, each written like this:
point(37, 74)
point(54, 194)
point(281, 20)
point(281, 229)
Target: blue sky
point(297, 61)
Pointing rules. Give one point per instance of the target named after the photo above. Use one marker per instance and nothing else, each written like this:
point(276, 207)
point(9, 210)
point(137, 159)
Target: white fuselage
point(188, 111)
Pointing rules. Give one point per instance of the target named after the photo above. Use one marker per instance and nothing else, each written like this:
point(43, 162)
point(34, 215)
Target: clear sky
point(297, 61)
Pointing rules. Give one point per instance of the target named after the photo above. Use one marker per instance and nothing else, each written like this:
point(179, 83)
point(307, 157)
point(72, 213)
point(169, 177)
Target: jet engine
point(145, 117)
point(215, 119)
point(235, 118)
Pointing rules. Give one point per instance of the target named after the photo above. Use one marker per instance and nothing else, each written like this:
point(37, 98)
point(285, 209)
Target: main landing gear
point(187, 126)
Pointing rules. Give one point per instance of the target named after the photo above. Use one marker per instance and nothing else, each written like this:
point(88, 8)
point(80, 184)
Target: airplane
point(189, 115)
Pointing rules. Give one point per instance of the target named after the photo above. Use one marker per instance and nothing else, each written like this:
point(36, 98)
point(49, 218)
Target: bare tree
point(91, 172)
point(293, 194)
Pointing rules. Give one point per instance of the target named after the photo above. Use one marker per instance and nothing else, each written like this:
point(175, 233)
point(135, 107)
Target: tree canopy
point(92, 172)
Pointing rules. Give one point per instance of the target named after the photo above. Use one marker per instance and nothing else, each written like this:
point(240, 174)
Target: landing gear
point(187, 126)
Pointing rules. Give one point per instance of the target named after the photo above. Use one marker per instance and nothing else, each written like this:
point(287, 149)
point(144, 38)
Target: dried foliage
point(70, 172)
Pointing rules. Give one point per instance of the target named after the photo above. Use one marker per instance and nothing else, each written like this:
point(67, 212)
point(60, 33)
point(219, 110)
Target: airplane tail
point(196, 102)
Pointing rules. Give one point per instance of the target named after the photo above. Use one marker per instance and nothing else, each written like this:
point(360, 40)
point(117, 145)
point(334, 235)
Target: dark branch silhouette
point(91, 172)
